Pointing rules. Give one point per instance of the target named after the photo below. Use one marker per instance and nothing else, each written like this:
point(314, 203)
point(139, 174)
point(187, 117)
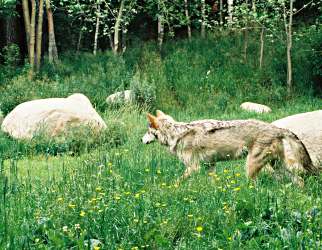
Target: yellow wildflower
point(199, 229)
point(98, 189)
point(190, 215)
point(110, 164)
point(70, 205)
point(158, 171)
point(82, 213)
point(226, 171)
point(96, 248)
point(60, 199)
point(236, 189)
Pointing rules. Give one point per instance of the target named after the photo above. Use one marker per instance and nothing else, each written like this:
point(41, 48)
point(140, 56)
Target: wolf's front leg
point(190, 169)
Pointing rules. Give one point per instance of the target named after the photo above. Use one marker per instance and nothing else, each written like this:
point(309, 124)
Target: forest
point(82, 83)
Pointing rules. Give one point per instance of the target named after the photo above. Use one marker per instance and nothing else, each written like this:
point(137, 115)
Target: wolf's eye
point(149, 125)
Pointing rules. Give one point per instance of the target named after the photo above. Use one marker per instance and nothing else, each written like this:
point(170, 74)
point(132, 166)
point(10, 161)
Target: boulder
point(126, 96)
point(52, 116)
point(308, 128)
point(255, 107)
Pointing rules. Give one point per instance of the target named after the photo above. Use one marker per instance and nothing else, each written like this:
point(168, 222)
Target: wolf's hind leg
point(293, 164)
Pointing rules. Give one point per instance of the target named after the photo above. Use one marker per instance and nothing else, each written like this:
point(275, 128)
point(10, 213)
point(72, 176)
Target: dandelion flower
point(236, 189)
point(226, 171)
point(237, 174)
point(137, 196)
point(70, 205)
point(117, 197)
point(110, 164)
point(199, 229)
point(96, 248)
point(230, 238)
point(98, 189)
point(82, 213)
point(190, 215)
point(60, 199)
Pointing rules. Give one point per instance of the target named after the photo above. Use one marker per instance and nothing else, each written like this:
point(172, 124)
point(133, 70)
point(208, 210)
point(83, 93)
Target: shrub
point(144, 92)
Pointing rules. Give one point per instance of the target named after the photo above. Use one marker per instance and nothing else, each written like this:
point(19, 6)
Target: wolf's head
point(156, 125)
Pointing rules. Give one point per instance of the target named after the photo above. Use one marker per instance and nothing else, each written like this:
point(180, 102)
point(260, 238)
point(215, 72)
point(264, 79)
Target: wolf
point(212, 140)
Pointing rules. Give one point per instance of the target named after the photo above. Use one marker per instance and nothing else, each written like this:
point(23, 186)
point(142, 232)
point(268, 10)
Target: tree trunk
point(117, 27)
point(261, 48)
point(98, 13)
point(26, 17)
point(288, 31)
point(52, 48)
point(32, 39)
point(246, 36)
point(39, 32)
point(230, 11)
point(79, 40)
point(124, 31)
point(203, 18)
point(110, 38)
point(186, 10)
point(221, 17)
point(160, 30)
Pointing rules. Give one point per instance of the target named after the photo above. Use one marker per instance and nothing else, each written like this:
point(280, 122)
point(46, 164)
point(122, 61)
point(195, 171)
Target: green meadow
point(66, 194)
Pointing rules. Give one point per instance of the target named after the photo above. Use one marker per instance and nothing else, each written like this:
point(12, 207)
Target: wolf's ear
point(153, 121)
point(160, 113)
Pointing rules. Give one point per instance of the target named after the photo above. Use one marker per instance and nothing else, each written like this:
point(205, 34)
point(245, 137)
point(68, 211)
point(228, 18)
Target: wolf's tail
point(296, 155)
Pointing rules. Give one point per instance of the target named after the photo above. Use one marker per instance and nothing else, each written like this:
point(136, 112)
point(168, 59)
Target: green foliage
point(143, 91)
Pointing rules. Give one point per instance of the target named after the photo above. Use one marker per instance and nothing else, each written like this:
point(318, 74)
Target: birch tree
point(52, 48)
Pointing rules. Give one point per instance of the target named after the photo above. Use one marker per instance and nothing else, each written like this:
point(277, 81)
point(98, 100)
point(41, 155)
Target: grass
point(124, 194)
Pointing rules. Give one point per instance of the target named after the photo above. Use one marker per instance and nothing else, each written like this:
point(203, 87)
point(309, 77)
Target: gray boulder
point(308, 128)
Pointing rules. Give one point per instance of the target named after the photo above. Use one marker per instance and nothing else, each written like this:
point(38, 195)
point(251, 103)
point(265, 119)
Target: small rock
point(126, 96)
point(255, 107)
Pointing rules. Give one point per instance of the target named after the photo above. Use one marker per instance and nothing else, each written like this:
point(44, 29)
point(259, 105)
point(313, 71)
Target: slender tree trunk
point(246, 36)
point(261, 48)
point(52, 48)
point(186, 10)
point(160, 30)
point(230, 11)
point(203, 18)
point(98, 13)
point(117, 27)
point(288, 31)
point(39, 32)
point(124, 32)
point(26, 17)
point(221, 17)
point(32, 39)
point(254, 5)
point(79, 39)
point(110, 38)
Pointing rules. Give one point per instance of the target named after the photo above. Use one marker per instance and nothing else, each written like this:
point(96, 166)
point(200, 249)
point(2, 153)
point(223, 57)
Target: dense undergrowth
point(68, 193)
